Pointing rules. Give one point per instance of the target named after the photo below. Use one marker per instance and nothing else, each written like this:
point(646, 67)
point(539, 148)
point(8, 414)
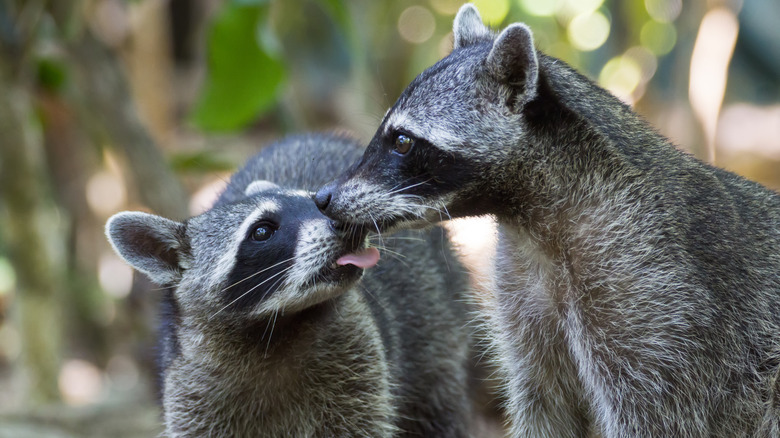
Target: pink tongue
point(365, 258)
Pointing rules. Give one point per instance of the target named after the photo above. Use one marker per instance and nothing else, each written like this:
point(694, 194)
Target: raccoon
point(271, 329)
point(637, 288)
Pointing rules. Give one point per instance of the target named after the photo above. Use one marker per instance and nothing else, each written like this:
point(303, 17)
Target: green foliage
point(243, 77)
point(339, 12)
point(51, 74)
point(201, 162)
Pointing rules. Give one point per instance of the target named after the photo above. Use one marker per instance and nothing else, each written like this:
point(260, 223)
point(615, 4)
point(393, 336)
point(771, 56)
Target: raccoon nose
point(322, 198)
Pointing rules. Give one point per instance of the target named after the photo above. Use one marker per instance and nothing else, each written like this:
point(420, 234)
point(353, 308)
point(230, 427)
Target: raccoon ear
point(468, 28)
point(151, 244)
point(258, 186)
point(513, 61)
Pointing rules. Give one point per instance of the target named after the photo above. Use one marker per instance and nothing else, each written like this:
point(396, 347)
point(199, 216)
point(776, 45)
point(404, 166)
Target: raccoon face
point(448, 135)
point(270, 252)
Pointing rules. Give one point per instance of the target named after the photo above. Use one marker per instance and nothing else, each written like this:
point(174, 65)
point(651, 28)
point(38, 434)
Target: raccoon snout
point(322, 198)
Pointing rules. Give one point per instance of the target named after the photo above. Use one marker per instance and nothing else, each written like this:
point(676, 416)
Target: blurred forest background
point(110, 105)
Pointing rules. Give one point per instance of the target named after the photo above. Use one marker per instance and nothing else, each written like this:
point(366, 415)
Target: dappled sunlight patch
point(80, 382)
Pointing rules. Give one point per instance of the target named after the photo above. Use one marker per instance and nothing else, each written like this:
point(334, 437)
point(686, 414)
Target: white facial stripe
point(224, 265)
point(399, 120)
point(310, 252)
point(303, 193)
point(259, 186)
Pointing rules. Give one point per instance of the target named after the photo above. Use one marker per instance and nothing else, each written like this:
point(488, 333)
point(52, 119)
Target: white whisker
point(409, 187)
point(256, 273)
point(250, 290)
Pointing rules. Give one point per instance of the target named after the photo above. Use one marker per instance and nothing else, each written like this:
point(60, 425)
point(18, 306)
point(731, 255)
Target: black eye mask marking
point(267, 252)
point(426, 169)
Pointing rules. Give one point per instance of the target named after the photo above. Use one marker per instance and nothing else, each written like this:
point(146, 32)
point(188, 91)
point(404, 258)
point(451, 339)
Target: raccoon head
point(272, 251)
point(452, 129)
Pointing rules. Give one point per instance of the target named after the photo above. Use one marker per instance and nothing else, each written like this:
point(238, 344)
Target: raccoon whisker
point(444, 206)
point(376, 225)
point(267, 325)
point(351, 231)
point(390, 251)
point(394, 254)
point(270, 335)
point(272, 287)
point(409, 187)
point(438, 210)
point(250, 290)
point(391, 238)
point(256, 273)
point(393, 189)
point(413, 208)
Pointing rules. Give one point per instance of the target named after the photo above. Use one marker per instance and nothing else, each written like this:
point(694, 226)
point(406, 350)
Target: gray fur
point(468, 28)
point(388, 356)
point(638, 289)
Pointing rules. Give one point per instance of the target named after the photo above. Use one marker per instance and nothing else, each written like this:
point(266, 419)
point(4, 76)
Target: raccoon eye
point(403, 143)
point(262, 232)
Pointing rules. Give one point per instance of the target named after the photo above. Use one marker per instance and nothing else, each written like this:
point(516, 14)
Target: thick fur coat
point(267, 334)
point(637, 288)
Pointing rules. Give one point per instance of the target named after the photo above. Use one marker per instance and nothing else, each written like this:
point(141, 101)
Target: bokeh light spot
point(645, 59)
point(446, 7)
point(659, 38)
point(588, 31)
point(205, 197)
point(540, 8)
point(572, 8)
point(80, 382)
point(493, 12)
point(664, 11)
point(105, 193)
point(7, 276)
point(114, 275)
point(621, 75)
point(416, 24)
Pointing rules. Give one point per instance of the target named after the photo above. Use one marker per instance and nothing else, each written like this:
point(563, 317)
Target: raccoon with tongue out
point(269, 329)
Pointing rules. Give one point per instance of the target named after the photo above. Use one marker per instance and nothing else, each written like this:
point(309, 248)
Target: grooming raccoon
point(270, 332)
point(637, 288)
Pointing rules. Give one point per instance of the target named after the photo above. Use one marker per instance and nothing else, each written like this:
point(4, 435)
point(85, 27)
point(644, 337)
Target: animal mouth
point(355, 253)
point(363, 258)
point(352, 257)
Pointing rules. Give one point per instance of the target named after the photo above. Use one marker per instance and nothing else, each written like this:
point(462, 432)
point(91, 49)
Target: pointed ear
point(468, 28)
point(151, 244)
point(258, 186)
point(513, 61)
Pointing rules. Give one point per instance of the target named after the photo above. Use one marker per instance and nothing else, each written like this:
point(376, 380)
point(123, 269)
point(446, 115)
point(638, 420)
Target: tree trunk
point(32, 228)
point(108, 100)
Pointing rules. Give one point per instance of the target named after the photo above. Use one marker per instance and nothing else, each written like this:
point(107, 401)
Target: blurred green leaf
point(52, 74)
point(340, 13)
point(243, 78)
point(251, 2)
point(200, 161)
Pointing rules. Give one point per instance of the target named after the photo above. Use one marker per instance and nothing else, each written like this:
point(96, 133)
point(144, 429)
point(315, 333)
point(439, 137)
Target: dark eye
point(262, 232)
point(403, 144)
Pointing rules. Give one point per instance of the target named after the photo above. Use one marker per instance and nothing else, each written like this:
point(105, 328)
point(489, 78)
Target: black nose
point(322, 198)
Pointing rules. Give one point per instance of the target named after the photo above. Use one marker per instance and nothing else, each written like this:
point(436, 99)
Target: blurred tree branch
point(36, 225)
point(109, 111)
point(30, 221)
